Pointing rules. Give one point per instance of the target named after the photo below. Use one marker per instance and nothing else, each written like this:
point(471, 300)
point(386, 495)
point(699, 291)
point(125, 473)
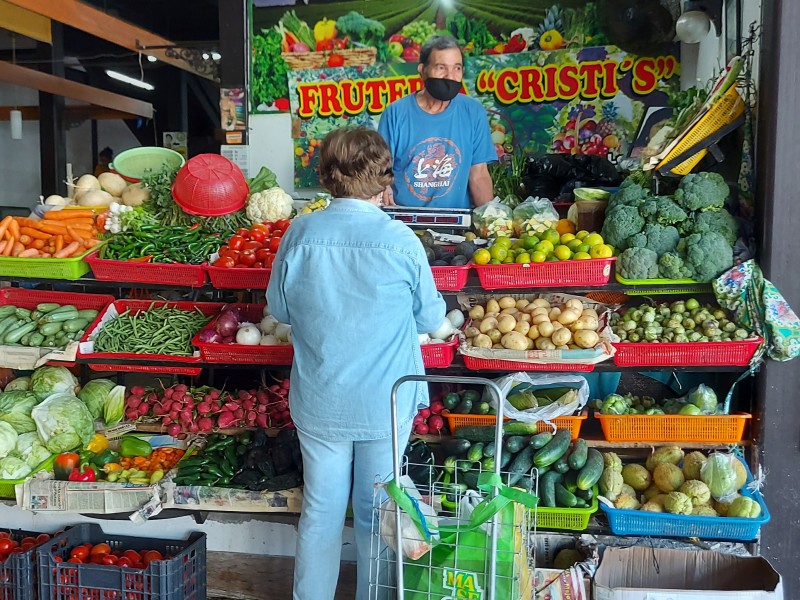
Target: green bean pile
point(162, 330)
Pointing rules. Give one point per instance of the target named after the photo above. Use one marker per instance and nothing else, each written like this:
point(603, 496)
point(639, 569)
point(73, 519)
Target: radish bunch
point(182, 409)
point(429, 420)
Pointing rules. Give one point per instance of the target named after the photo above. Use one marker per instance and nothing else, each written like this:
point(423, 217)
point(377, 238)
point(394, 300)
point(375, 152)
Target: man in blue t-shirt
point(439, 139)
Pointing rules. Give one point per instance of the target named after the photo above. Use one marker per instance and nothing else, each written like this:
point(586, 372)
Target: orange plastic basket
point(715, 429)
point(573, 423)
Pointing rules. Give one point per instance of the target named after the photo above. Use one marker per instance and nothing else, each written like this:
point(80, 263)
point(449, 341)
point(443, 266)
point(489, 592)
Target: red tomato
point(124, 561)
point(261, 255)
point(97, 559)
point(100, 549)
point(77, 561)
point(257, 235)
point(132, 555)
point(274, 243)
point(258, 265)
point(4, 535)
point(282, 225)
point(265, 228)
point(236, 242)
point(224, 261)
point(247, 257)
point(80, 552)
point(109, 559)
point(150, 556)
point(241, 266)
point(245, 233)
point(7, 545)
point(27, 540)
point(58, 559)
point(252, 245)
point(42, 538)
point(27, 546)
point(269, 261)
point(17, 550)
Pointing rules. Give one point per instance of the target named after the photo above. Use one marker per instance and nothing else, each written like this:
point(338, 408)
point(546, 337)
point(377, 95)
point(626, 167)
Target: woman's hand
point(388, 197)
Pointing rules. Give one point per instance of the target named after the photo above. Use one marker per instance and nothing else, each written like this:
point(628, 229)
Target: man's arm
point(481, 187)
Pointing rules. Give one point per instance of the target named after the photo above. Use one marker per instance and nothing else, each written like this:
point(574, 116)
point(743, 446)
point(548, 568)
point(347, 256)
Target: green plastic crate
point(7, 485)
point(573, 519)
point(46, 268)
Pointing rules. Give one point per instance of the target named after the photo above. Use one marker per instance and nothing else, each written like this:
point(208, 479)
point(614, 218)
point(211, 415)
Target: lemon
point(567, 237)
point(519, 245)
point(494, 261)
point(508, 260)
point(498, 251)
point(601, 251)
point(530, 241)
point(523, 258)
point(581, 234)
point(550, 235)
point(593, 239)
point(573, 244)
point(584, 248)
point(581, 256)
point(538, 257)
point(502, 241)
point(562, 252)
point(552, 258)
point(482, 256)
point(545, 246)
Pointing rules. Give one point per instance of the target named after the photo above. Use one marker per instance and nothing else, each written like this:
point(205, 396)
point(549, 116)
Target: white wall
point(272, 146)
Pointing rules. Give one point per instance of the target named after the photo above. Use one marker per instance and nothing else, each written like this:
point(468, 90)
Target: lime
point(593, 239)
point(519, 245)
point(552, 258)
point(530, 241)
point(545, 246)
point(502, 241)
point(538, 257)
point(601, 251)
point(494, 261)
point(523, 258)
point(574, 244)
point(498, 252)
point(581, 256)
point(584, 248)
point(482, 256)
point(562, 252)
point(508, 260)
point(581, 234)
point(567, 237)
point(550, 235)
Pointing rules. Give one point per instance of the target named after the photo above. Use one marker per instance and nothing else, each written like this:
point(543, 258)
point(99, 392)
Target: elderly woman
point(356, 288)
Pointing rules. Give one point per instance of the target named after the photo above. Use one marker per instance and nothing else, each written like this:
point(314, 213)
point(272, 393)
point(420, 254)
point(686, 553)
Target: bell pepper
point(324, 30)
point(64, 464)
point(104, 458)
point(87, 474)
point(98, 444)
point(86, 456)
point(130, 446)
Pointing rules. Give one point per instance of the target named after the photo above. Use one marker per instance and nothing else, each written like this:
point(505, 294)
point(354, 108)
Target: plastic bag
point(419, 532)
point(719, 474)
point(544, 391)
point(493, 219)
point(534, 216)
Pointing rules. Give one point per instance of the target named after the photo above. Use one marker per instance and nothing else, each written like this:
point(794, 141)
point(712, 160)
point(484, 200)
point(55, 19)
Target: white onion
point(86, 183)
point(444, 331)
point(268, 324)
point(456, 317)
point(269, 340)
point(282, 331)
point(248, 335)
point(424, 338)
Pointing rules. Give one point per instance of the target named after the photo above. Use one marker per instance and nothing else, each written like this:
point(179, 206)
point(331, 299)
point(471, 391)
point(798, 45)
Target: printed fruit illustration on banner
point(595, 128)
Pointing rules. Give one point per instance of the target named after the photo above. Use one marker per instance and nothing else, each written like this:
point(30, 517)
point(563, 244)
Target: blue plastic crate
point(637, 522)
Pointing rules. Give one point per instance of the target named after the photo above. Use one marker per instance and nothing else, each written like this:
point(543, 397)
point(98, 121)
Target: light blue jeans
point(329, 471)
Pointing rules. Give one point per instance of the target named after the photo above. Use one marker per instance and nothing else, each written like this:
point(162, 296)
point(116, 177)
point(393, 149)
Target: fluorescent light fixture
point(151, 58)
point(15, 118)
point(130, 80)
point(216, 55)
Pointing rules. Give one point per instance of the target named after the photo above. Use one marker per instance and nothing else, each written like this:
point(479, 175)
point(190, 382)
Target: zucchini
point(46, 307)
point(7, 323)
point(23, 313)
point(515, 443)
point(547, 488)
point(15, 335)
point(521, 465)
point(489, 449)
point(579, 454)
point(456, 447)
point(554, 449)
point(485, 433)
point(464, 407)
point(564, 497)
point(74, 325)
point(25, 339)
point(7, 310)
point(48, 329)
point(540, 439)
point(65, 313)
point(87, 313)
point(592, 470)
point(475, 453)
point(561, 465)
point(36, 339)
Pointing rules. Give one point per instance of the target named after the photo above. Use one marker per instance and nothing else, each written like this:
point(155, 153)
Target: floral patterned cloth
point(758, 305)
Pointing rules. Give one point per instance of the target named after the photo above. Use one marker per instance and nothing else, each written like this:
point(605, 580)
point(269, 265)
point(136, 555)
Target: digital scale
point(421, 217)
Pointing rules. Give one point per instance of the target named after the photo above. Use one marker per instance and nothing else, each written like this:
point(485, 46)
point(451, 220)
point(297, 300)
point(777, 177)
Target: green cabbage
point(8, 439)
point(115, 406)
point(31, 449)
point(719, 474)
point(13, 468)
point(19, 384)
point(95, 394)
point(704, 398)
point(63, 422)
point(46, 381)
point(15, 409)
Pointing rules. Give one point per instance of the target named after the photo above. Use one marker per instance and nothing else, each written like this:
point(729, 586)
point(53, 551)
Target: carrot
point(35, 233)
point(13, 227)
point(52, 229)
point(29, 253)
point(87, 222)
point(46, 255)
point(17, 249)
point(25, 240)
point(8, 235)
point(2, 246)
point(63, 215)
point(26, 222)
point(59, 243)
point(38, 244)
point(75, 235)
point(67, 251)
point(92, 243)
point(4, 225)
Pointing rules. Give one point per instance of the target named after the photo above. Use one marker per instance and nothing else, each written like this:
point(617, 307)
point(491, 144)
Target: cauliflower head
point(269, 206)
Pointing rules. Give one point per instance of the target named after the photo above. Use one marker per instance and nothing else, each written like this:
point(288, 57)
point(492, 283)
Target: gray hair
point(436, 42)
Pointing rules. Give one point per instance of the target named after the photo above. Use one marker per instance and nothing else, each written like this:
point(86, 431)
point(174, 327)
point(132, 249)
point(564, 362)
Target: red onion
point(210, 336)
point(228, 323)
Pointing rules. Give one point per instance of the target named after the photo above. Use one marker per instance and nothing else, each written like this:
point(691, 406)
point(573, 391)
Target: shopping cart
point(484, 555)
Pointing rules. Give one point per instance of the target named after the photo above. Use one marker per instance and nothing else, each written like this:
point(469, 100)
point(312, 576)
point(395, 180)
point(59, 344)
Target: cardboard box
point(660, 574)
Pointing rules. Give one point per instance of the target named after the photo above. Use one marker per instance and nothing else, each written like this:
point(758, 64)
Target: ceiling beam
point(100, 24)
point(73, 112)
point(25, 22)
point(59, 86)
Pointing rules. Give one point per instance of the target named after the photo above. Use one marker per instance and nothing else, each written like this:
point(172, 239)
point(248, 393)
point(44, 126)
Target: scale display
point(431, 217)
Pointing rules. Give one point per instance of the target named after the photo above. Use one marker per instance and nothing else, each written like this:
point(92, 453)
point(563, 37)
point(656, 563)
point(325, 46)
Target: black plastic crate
point(181, 577)
point(18, 572)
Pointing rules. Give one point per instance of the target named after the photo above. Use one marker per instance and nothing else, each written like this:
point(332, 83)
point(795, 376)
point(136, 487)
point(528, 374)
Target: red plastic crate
point(439, 356)
point(238, 353)
point(30, 298)
point(224, 278)
point(450, 279)
point(690, 354)
point(167, 362)
point(566, 273)
point(493, 364)
point(143, 272)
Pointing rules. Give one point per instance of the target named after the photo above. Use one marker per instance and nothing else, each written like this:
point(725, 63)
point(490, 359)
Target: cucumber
point(450, 464)
point(521, 464)
point(564, 497)
point(485, 433)
point(561, 465)
point(505, 458)
point(540, 439)
point(579, 454)
point(464, 407)
point(571, 481)
point(451, 400)
point(515, 443)
point(554, 449)
point(49, 329)
point(470, 478)
point(464, 465)
point(74, 325)
point(481, 408)
point(581, 503)
point(456, 447)
point(547, 488)
point(487, 464)
point(515, 428)
point(489, 450)
point(586, 495)
point(475, 453)
point(592, 470)
point(471, 395)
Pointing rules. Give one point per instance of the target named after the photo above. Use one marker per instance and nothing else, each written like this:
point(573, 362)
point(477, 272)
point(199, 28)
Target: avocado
point(439, 263)
point(438, 252)
point(425, 237)
point(446, 256)
point(466, 249)
point(459, 260)
point(431, 256)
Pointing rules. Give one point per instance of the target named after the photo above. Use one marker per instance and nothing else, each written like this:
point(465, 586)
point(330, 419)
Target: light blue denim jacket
point(356, 288)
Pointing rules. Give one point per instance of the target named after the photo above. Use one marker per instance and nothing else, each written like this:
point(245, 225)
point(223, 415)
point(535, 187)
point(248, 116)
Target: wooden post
point(52, 127)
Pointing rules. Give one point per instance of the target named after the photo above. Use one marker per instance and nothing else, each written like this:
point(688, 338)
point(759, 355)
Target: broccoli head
point(672, 266)
point(720, 221)
point(655, 237)
point(631, 194)
point(708, 255)
point(702, 191)
point(667, 212)
point(638, 263)
point(621, 222)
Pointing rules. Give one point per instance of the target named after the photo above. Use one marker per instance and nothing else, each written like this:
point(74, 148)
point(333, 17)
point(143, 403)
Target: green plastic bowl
point(133, 164)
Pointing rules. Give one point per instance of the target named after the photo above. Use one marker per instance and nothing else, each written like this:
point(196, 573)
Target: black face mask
point(442, 89)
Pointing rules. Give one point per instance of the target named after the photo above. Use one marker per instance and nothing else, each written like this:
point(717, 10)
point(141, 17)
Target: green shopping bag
point(458, 565)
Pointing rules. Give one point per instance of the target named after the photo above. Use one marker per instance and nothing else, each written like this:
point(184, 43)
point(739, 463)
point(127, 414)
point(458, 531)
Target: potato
point(539, 310)
point(568, 316)
point(495, 335)
point(538, 319)
point(487, 324)
point(562, 347)
point(491, 314)
point(522, 304)
point(471, 331)
point(492, 306)
point(590, 312)
point(514, 340)
point(586, 338)
point(522, 327)
point(533, 332)
point(509, 311)
point(546, 329)
point(506, 323)
point(544, 344)
point(587, 323)
point(554, 313)
point(507, 302)
point(557, 326)
point(482, 341)
point(575, 304)
point(572, 347)
point(562, 337)
point(541, 302)
point(476, 312)
point(525, 317)
point(530, 344)
point(497, 347)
